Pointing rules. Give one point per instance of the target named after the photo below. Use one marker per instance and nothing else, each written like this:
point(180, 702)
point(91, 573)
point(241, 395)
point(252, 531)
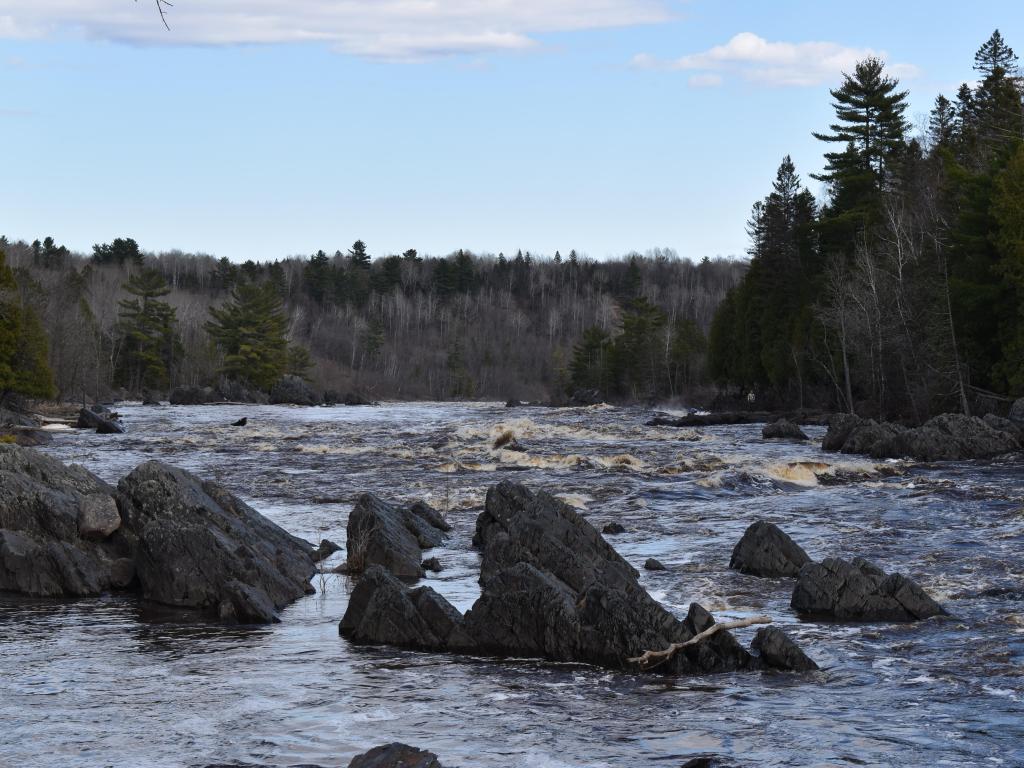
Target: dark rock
point(101, 419)
point(859, 591)
point(236, 391)
point(353, 398)
point(58, 532)
point(585, 397)
point(725, 418)
point(395, 756)
point(708, 761)
point(765, 550)
point(1005, 425)
point(293, 390)
point(331, 397)
point(149, 397)
point(612, 529)
point(201, 547)
point(784, 429)
point(1016, 414)
point(382, 610)
point(9, 418)
point(241, 422)
point(778, 650)
point(513, 403)
point(432, 564)
point(325, 550)
point(382, 534)
point(947, 437)
point(654, 565)
point(193, 395)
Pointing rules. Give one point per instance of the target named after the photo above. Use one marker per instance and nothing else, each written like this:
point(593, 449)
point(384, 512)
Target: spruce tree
point(24, 369)
point(148, 325)
point(358, 255)
point(994, 55)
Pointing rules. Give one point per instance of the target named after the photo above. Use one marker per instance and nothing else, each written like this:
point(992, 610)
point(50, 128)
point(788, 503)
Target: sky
point(268, 128)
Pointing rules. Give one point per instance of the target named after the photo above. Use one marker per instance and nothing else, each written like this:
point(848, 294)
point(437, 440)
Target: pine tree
point(151, 344)
point(250, 330)
point(24, 369)
point(123, 250)
point(588, 368)
point(358, 255)
point(995, 55)
point(942, 123)
point(1008, 212)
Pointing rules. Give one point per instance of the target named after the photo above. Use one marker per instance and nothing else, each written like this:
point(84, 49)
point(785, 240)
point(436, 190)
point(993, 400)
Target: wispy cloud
point(389, 29)
point(755, 59)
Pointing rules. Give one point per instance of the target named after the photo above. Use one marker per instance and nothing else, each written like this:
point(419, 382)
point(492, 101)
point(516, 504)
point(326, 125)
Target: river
point(112, 682)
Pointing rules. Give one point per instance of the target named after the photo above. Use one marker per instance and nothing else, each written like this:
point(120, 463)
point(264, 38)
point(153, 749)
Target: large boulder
point(947, 437)
point(238, 391)
point(1000, 424)
point(293, 390)
point(395, 756)
point(551, 587)
point(201, 547)
point(778, 650)
point(783, 429)
point(859, 591)
point(765, 550)
point(1016, 414)
point(193, 395)
point(59, 529)
point(383, 534)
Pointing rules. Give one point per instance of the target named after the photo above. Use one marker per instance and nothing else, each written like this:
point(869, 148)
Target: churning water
point(110, 681)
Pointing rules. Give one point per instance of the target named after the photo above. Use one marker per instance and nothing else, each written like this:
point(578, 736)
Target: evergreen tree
point(24, 369)
point(995, 55)
point(1008, 212)
point(318, 277)
point(250, 330)
point(942, 123)
point(359, 257)
point(151, 345)
point(124, 250)
point(588, 368)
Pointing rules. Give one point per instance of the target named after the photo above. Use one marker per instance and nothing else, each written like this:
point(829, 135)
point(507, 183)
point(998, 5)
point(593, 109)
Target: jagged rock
point(395, 756)
point(859, 591)
point(777, 649)
point(244, 421)
point(101, 419)
point(382, 610)
point(432, 564)
point(947, 437)
point(193, 395)
point(382, 534)
point(1000, 424)
point(292, 390)
point(612, 529)
point(325, 550)
point(201, 547)
point(782, 429)
point(51, 516)
point(765, 550)
point(237, 391)
point(654, 565)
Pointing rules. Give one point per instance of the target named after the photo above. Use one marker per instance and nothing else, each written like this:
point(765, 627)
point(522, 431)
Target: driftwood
point(653, 658)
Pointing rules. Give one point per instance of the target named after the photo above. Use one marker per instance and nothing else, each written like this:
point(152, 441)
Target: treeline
point(123, 322)
point(902, 293)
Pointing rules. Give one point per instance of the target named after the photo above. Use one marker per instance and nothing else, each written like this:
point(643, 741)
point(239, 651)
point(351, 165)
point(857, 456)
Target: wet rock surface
point(383, 534)
point(947, 437)
point(293, 390)
point(778, 650)
point(193, 395)
point(552, 588)
point(859, 591)
point(100, 418)
point(395, 756)
point(783, 429)
point(765, 550)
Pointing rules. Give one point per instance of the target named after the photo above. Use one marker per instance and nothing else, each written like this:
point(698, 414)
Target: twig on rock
point(652, 658)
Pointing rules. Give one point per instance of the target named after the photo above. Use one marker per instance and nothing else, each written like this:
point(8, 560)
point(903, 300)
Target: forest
point(898, 295)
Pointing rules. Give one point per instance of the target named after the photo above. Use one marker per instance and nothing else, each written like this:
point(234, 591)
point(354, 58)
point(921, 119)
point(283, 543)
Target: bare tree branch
point(653, 658)
point(162, 6)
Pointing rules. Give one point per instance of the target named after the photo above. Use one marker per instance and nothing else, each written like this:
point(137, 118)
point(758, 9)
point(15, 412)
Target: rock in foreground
point(859, 591)
point(765, 550)
point(552, 588)
point(201, 547)
point(379, 533)
point(395, 756)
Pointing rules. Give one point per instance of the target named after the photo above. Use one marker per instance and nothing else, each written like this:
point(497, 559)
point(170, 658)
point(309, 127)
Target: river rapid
point(112, 682)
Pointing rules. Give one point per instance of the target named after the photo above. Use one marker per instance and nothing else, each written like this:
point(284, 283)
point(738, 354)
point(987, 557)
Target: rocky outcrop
point(237, 391)
point(1000, 424)
point(723, 418)
point(765, 550)
point(783, 429)
point(654, 565)
point(383, 534)
point(777, 649)
point(1016, 413)
point(947, 437)
point(325, 550)
point(551, 587)
point(201, 547)
point(59, 529)
point(859, 591)
point(193, 395)
point(293, 390)
point(100, 418)
point(395, 756)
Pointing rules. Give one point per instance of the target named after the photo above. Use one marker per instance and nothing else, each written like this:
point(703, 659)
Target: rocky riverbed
point(113, 680)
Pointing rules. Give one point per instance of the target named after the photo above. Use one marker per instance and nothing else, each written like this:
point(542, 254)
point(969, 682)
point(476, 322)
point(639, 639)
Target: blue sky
point(265, 128)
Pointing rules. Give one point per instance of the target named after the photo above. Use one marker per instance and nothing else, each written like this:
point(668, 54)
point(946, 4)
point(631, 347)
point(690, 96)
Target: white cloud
point(757, 60)
point(391, 29)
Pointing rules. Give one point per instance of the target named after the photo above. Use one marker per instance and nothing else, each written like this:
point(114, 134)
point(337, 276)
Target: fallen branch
point(653, 658)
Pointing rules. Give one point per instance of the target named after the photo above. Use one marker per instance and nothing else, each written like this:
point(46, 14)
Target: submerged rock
point(293, 390)
point(395, 756)
point(432, 564)
point(947, 437)
point(199, 546)
point(859, 591)
point(654, 565)
point(613, 529)
point(782, 429)
point(325, 550)
point(59, 529)
point(382, 534)
point(551, 587)
point(242, 422)
point(765, 550)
